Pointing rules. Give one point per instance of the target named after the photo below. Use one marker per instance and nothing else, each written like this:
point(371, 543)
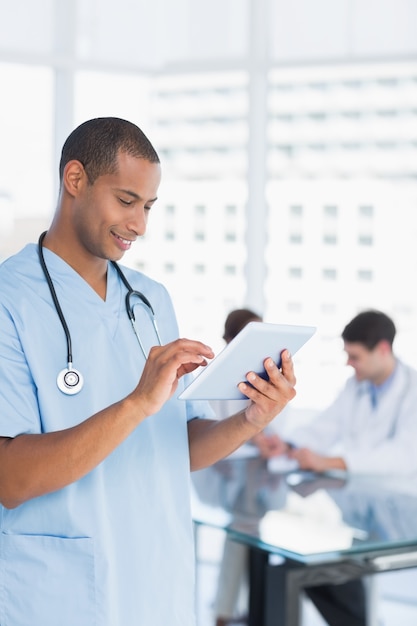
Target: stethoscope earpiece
point(70, 381)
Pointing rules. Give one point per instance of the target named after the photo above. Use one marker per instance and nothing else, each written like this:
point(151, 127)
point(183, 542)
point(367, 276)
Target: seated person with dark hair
point(370, 428)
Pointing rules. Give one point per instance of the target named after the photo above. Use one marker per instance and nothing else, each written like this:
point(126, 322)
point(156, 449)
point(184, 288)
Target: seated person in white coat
point(370, 428)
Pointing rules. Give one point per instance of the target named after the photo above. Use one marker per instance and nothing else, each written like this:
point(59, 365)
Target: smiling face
point(106, 217)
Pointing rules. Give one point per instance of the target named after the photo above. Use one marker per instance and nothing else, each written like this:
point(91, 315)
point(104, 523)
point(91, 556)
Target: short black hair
point(369, 328)
point(97, 142)
point(236, 320)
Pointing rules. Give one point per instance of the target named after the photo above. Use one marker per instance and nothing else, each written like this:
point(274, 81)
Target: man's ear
point(384, 346)
point(74, 177)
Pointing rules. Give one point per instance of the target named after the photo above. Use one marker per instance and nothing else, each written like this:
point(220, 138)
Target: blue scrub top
point(116, 547)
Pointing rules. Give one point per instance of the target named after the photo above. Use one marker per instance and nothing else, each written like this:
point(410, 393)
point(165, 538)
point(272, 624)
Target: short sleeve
point(18, 399)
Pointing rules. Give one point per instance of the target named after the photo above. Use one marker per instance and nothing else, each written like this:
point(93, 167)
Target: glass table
point(304, 529)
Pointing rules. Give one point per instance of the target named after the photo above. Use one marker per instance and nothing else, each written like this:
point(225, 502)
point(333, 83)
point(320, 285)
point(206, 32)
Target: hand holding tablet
point(246, 352)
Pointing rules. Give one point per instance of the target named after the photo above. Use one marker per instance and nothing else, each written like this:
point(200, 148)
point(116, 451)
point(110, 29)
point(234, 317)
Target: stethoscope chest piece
point(70, 381)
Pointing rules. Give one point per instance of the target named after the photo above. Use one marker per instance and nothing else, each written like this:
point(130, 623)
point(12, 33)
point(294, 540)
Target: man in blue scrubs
point(96, 527)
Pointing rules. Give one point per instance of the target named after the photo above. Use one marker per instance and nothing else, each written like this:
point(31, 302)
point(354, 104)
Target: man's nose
point(138, 221)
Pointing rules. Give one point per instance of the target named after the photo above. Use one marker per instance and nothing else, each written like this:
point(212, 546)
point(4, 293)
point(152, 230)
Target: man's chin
point(115, 256)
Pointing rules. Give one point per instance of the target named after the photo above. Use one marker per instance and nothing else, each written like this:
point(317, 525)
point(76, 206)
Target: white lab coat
point(380, 440)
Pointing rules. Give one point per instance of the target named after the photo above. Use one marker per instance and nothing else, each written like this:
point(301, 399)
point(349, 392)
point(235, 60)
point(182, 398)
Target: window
point(318, 116)
point(199, 235)
point(387, 113)
point(388, 82)
point(295, 272)
point(329, 273)
point(169, 235)
point(296, 238)
point(353, 84)
point(330, 210)
point(366, 210)
point(351, 145)
point(296, 210)
point(365, 275)
point(230, 270)
point(317, 147)
point(284, 87)
point(319, 86)
point(169, 268)
point(330, 239)
point(365, 240)
point(200, 209)
point(286, 149)
point(352, 115)
point(230, 209)
point(284, 117)
point(230, 237)
point(199, 268)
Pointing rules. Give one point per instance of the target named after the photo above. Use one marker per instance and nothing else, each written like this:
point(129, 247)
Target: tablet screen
point(246, 352)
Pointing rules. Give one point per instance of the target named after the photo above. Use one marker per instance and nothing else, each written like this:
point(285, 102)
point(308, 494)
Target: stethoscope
point(364, 390)
point(70, 380)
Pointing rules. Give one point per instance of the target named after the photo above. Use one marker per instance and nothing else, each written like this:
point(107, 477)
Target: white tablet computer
point(246, 352)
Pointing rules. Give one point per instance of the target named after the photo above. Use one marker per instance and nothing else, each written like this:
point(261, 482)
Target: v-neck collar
point(62, 273)
point(71, 287)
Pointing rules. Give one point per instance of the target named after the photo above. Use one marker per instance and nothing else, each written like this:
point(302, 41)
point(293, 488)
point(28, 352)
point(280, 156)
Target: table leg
point(274, 598)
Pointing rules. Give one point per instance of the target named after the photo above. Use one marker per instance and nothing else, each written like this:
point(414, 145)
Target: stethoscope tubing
point(70, 374)
point(55, 298)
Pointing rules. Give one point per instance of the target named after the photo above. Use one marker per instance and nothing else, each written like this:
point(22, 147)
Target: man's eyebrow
point(134, 195)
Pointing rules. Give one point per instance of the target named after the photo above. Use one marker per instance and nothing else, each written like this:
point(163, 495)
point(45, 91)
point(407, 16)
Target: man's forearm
point(212, 440)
